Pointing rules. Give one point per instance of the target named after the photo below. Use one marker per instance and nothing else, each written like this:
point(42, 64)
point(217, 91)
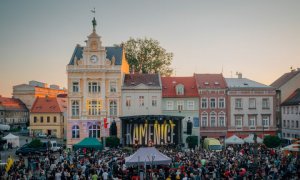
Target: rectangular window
point(265, 120)
point(252, 103)
point(288, 124)
point(179, 105)
point(238, 121)
point(94, 107)
point(284, 123)
point(75, 86)
point(113, 108)
point(212, 103)
point(196, 122)
point(238, 103)
point(265, 103)
point(221, 103)
point(252, 120)
point(154, 101)
point(293, 123)
point(42, 119)
point(94, 87)
point(203, 103)
point(141, 101)
point(191, 105)
point(54, 120)
point(297, 124)
point(34, 119)
point(75, 108)
point(113, 87)
point(128, 101)
point(170, 105)
point(48, 119)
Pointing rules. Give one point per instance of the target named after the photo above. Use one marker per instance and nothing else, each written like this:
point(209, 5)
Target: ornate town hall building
point(94, 88)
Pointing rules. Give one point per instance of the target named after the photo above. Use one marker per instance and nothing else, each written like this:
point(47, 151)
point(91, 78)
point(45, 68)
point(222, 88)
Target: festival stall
point(147, 156)
point(250, 139)
point(14, 140)
point(234, 140)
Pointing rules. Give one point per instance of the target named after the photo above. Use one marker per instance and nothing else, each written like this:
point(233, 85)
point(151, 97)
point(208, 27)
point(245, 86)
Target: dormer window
point(179, 89)
point(206, 83)
point(217, 83)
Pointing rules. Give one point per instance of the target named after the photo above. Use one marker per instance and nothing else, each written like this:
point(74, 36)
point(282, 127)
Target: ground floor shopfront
point(77, 130)
point(48, 130)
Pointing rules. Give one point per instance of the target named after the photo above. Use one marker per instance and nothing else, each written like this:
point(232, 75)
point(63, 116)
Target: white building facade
point(94, 88)
point(141, 94)
point(252, 108)
point(290, 110)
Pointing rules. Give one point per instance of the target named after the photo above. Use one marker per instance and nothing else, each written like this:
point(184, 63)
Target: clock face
point(94, 59)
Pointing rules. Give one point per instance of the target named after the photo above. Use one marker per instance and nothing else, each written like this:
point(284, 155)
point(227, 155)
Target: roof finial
point(94, 20)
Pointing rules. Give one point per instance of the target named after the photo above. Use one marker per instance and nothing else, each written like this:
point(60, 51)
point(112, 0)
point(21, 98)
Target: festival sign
point(160, 131)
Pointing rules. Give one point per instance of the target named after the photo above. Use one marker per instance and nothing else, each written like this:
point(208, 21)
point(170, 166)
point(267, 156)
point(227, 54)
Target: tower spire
point(94, 22)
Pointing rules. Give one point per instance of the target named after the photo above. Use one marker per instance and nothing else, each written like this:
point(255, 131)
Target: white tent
point(4, 127)
point(249, 139)
point(292, 147)
point(12, 139)
point(234, 140)
point(148, 156)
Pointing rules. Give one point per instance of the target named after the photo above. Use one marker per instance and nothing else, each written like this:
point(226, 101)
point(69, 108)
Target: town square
point(149, 90)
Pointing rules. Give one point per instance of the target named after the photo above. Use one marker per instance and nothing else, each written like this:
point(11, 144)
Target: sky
point(260, 39)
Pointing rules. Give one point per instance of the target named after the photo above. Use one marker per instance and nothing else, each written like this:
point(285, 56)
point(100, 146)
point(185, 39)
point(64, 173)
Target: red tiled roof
point(169, 86)
point(210, 81)
point(12, 104)
point(49, 105)
point(284, 78)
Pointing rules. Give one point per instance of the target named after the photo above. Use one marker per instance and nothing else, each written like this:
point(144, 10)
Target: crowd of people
point(235, 162)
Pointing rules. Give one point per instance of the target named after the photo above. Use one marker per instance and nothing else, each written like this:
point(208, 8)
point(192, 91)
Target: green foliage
point(192, 141)
point(35, 143)
point(272, 141)
point(112, 141)
point(147, 56)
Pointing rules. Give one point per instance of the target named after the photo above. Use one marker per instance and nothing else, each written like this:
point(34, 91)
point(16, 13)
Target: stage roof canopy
point(148, 156)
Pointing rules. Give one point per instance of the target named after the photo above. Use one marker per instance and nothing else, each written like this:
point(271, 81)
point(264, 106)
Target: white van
point(53, 146)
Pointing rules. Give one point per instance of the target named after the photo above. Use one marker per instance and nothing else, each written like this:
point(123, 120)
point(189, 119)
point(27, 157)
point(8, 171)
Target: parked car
point(25, 150)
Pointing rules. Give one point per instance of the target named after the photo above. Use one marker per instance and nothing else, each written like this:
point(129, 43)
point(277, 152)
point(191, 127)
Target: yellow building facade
point(94, 89)
point(47, 117)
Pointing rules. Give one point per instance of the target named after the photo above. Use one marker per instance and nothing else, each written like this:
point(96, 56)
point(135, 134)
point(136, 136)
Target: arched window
point(94, 131)
point(204, 119)
point(113, 108)
point(213, 119)
point(222, 119)
point(75, 131)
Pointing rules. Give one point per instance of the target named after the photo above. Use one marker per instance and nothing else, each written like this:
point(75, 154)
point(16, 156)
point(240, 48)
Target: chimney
point(240, 75)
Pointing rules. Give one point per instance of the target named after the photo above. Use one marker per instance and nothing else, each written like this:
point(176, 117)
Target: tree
point(35, 143)
point(147, 56)
point(272, 141)
point(192, 141)
point(112, 141)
